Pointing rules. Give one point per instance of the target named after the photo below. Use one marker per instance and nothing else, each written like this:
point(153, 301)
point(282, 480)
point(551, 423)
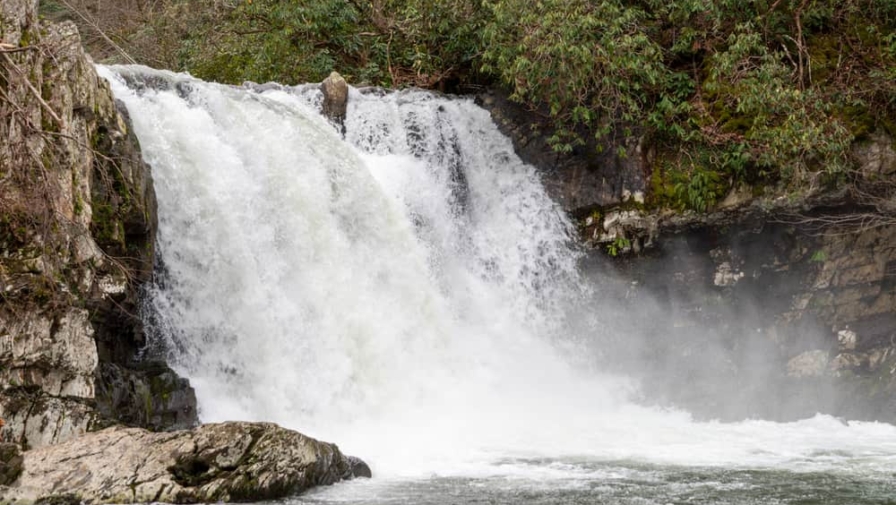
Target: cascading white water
point(402, 292)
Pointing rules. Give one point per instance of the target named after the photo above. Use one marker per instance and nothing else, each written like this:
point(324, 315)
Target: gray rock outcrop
point(77, 229)
point(761, 318)
point(215, 462)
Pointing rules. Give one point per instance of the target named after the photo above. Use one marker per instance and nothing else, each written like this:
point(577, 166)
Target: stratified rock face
point(762, 319)
point(335, 105)
point(36, 419)
point(16, 16)
point(51, 350)
point(77, 221)
point(215, 462)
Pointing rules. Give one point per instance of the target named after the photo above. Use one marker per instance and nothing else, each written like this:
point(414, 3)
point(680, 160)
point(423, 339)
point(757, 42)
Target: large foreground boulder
point(235, 461)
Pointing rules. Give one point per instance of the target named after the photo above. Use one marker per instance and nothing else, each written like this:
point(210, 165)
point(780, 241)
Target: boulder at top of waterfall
point(335, 105)
point(234, 461)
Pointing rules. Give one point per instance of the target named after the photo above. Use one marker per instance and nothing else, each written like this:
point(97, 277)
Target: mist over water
point(408, 292)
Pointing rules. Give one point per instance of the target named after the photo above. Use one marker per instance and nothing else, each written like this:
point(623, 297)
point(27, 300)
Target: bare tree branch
point(33, 90)
point(99, 30)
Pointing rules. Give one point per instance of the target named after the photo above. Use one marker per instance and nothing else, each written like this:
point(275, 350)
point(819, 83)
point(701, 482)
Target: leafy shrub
point(592, 63)
point(768, 92)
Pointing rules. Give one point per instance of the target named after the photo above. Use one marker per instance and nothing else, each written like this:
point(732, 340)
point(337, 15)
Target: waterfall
point(405, 291)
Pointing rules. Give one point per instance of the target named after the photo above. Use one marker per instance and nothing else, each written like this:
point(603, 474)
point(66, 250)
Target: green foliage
point(763, 92)
point(590, 62)
point(381, 42)
point(269, 40)
point(782, 126)
point(52, 10)
point(618, 245)
point(756, 84)
point(696, 177)
point(700, 191)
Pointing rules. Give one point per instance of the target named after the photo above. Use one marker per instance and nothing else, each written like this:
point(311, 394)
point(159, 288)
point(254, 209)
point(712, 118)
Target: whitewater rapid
point(406, 292)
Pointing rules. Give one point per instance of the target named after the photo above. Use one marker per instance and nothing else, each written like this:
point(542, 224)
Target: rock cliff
point(763, 318)
point(76, 244)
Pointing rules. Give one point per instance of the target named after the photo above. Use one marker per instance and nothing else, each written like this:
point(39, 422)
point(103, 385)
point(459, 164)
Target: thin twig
point(9, 48)
point(102, 34)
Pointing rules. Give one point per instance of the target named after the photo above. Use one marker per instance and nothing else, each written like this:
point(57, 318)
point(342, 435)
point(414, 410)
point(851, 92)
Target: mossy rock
point(10, 463)
point(859, 120)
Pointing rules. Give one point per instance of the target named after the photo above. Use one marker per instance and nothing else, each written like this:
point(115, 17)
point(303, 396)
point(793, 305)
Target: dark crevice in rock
point(148, 395)
point(59, 499)
point(191, 471)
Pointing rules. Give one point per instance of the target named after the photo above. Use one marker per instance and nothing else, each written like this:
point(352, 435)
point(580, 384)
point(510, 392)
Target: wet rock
point(808, 364)
point(726, 276)
point(36, 419)
point(59, 499)
point(876, 156)
point(762, 318)
point(737, 197)
point(215, 462)
point(847, 340)
point(623, 231)
point(591, 176)
point(17, 16)
point(335, 104)
point(53, 350)
point(358, 468)
point(152, 396)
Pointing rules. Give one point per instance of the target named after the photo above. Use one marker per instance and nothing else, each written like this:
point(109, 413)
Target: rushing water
point(411, 293)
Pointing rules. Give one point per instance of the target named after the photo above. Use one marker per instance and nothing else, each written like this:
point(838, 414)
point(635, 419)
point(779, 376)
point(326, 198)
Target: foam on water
point(403, 292)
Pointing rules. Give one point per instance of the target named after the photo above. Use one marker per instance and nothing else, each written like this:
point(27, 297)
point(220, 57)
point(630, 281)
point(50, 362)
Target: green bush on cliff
point(268, 40)
point(381, 42)
point(755, 101)
point(767, 92)
point(740, 83)
point(591, 62)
